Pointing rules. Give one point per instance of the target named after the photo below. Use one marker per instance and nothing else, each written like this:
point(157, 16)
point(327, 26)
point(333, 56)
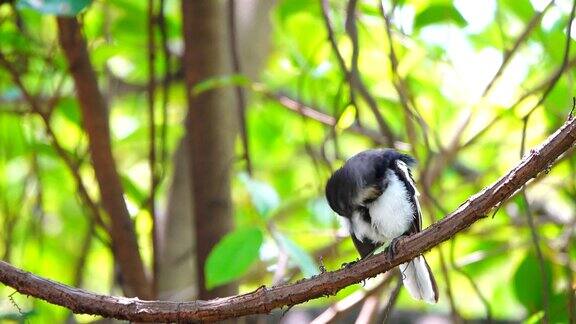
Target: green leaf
point(302, 258)
point(535, 318)
point(346, 118)
point(528, 285)
point(559, 308)
point(289, 8)
point(132, 190)
point(439, 13)
point(219, 82)
point(55, 7)
point(521, 8)
point(264, 197)
point(69, 109)
point(232, 256)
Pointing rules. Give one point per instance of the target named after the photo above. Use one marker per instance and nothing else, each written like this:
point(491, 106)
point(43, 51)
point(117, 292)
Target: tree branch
point(95, 119)
point(263, 300)
point(352, 75)
point(323, 118)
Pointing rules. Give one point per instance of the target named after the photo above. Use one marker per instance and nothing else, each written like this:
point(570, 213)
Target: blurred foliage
point(447, 53)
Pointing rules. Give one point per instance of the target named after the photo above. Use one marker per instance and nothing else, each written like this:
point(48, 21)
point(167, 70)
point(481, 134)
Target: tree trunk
point(177, 275)
point(211, 127)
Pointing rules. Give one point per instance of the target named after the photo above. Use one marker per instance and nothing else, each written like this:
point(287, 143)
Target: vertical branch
point(95, 119)
point(151, 91)
point(240, 93)
point(165, 86)
point(80, 266)
point(353, 75)
point(211, 130)
point(383, 316)
point(403, 91)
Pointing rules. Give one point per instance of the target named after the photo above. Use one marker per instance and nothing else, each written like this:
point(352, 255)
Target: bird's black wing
point(403, 173)
point(364, 248)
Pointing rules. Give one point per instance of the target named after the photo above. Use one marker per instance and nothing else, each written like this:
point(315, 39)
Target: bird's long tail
point(419, 281)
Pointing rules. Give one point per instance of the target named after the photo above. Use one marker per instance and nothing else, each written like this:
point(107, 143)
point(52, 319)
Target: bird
point(375, 192)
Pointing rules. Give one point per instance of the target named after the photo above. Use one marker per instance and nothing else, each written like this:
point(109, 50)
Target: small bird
point(376, 193)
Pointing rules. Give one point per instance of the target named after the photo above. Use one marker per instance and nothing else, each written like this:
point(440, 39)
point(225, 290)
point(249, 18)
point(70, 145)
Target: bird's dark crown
point(363, 170)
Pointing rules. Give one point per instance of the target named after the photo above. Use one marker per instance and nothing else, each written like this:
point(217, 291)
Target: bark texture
point(177, 275)
point(263, 300)
point(177, 270)
point(95, 120)
point(211, 127)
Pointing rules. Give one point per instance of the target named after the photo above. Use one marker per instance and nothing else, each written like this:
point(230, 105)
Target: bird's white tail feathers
point(419, 281)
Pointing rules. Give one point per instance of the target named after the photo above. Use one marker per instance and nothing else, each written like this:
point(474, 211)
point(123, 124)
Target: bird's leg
point(392, 249)
point(349, 264)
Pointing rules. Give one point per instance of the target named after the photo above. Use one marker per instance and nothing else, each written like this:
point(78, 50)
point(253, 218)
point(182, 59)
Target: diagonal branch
point(263, 300)
point(95, 119)
point(321, 117)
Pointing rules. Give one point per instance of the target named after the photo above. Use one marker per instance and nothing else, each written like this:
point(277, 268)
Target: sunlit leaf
point(298, 255)
point(55, 7)
point(439, 13)
point(289, 8)
point(69, 109)
point(264, 197)
point(535, 318)
point(132, 190)
point(232, 256)
point(346, 118)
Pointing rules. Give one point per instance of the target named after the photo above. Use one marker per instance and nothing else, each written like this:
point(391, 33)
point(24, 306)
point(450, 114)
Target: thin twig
point(338, 309)
point(471, 281)
point(74, 167)
point(353, 75)
point(564, 64)
point(483, 299)
point(240, 93)
point(387, 310)
point(401, 86)
point(544, 84)
point(455, 145)
point(571, 114)
point(509, 53)
point(80, 266)
point(165, 88)
point(321, 117)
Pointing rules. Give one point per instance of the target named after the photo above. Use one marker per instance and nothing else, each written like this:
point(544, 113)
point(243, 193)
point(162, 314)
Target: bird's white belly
point(391, 214)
